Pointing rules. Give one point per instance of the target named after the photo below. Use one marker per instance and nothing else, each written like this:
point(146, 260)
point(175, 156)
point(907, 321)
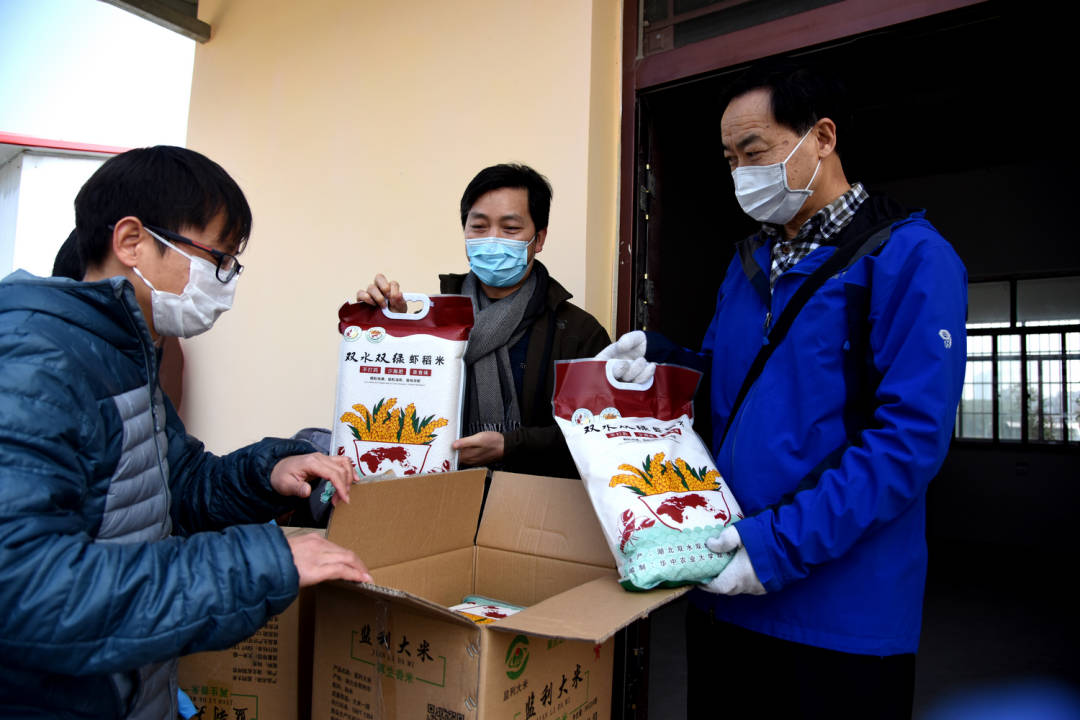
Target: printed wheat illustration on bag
point(386, 423)
point(657, 476)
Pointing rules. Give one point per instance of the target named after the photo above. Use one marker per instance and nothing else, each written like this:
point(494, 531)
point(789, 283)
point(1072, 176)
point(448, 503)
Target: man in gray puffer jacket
point(123, 544)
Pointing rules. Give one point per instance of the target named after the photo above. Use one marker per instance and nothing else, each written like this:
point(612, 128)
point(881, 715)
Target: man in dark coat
point(524, 323)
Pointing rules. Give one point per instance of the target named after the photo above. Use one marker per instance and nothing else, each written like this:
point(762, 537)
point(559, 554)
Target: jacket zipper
point(153, 406)
point(738, 421)
point(764, 341)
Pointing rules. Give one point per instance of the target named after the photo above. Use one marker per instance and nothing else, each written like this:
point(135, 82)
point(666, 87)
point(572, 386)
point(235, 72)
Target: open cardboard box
point(391, 649)
point(265, 677)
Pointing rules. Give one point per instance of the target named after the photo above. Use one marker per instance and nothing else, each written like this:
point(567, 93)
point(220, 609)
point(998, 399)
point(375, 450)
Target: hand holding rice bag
point(401, 385)
point(651, 479)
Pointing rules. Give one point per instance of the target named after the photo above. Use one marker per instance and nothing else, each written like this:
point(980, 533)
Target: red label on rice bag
point(651, 479)
point(450, 317)
point(584, 383)
point(401, 383)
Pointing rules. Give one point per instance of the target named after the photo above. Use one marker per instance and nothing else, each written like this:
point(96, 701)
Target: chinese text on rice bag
point(650, 477)
point(401, 382)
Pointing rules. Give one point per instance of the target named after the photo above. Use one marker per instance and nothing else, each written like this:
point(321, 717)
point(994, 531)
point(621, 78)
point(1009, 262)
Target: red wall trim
point(28, 141)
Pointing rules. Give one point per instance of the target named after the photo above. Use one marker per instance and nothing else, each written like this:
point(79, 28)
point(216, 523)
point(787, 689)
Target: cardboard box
point(265, 677)
point(391, 649)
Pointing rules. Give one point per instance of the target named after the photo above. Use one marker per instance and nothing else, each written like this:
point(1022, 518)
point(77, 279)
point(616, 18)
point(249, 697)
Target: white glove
point(639, 371)
point(626, 356)
point(630, 346)
point(739, 576)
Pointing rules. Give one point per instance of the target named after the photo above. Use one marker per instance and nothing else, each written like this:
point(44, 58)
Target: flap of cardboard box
point(545, 516)
point(400, 597)
point(593, 611)
point(407, 518)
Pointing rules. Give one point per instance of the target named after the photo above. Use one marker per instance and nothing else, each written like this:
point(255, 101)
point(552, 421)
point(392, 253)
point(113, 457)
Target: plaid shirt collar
point(821, 229)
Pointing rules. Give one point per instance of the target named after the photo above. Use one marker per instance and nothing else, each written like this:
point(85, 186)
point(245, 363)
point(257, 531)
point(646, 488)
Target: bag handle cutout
point(638, 387)
point(411, 297)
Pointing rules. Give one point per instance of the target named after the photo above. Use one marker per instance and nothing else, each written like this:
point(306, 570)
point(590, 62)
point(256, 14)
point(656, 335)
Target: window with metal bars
point(1023, 368)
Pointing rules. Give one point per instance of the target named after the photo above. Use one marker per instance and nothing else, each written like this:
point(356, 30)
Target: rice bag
point(483, 610)
point(651, 479)
point(401, 385)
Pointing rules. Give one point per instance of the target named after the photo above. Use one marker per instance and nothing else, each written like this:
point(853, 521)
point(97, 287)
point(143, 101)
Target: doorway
point(963, 113)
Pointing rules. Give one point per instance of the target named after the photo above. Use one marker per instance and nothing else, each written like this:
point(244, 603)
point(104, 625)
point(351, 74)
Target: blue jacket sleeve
point(74, 606)
point(918, 341)
point(659, 349)
point(211, 492)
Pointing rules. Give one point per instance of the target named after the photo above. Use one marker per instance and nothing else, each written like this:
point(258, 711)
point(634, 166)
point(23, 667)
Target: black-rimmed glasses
point(228, 266)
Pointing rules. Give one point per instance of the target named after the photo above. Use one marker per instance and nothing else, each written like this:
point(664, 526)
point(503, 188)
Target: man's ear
point(540, 238)
point(826, 137)
point(127, 234)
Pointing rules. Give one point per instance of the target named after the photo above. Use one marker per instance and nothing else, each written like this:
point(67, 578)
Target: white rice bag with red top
point(401, 385)
point(651, 479)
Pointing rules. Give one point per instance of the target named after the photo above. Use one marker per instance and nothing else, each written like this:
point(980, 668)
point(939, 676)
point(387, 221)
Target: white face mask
point(763, 192)
point(198, 305)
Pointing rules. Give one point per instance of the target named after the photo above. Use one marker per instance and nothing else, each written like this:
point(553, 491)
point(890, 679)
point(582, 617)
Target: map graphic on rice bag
point(401, 383)
point(651, 479)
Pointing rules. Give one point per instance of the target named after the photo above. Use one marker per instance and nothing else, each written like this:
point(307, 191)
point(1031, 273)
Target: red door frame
point(813, 27)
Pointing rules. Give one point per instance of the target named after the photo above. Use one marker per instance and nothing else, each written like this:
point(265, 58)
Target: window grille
point(1023, 367)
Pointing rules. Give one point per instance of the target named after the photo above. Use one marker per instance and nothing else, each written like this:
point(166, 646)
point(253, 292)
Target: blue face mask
point(498, 262)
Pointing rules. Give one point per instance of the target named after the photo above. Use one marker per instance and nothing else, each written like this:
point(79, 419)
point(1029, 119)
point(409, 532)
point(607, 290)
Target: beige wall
point(353, 127)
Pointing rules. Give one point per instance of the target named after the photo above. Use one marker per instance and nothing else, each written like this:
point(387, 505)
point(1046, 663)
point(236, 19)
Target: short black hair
point(512, 176)
point(800, 95)
point(166, 186)
point(67, 263)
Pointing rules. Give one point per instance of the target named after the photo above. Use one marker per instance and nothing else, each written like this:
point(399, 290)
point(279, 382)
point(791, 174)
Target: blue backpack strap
point(846, 254)
point(858, 365)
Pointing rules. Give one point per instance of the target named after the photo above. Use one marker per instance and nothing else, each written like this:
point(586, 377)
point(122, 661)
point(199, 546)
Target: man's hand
point(626, 357)
point(483, 447)
point(317, 560)
point(296, 474)
point(383, 293)
point(739, 576)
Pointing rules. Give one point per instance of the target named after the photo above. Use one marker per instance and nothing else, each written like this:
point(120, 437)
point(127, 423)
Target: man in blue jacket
point(123, 544)
point(831, 442)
